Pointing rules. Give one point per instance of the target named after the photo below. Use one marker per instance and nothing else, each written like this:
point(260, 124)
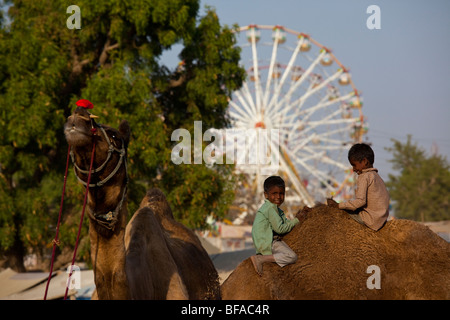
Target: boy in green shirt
point(269, 223)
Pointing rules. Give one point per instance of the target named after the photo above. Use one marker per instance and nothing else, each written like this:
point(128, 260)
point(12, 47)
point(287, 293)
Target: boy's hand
point(300, 213)
point(333, 204)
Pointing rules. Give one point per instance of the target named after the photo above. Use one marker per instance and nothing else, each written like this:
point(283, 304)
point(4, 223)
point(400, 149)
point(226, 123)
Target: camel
point(338, 258)
point(151, 257)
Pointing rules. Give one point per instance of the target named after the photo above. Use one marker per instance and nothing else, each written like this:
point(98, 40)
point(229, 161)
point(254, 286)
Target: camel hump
point(156, 200)
point(337, 257)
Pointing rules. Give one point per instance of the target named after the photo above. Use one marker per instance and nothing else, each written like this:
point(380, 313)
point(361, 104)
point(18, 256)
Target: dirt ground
point(226, 262)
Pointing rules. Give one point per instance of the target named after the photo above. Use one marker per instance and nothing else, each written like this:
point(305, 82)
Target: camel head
point(78, 127)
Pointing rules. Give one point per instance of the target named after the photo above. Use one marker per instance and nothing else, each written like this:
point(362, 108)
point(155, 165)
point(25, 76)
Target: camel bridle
point(108, 219)
point(111, 149)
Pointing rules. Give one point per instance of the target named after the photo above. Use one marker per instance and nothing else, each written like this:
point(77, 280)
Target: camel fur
point(335, 255)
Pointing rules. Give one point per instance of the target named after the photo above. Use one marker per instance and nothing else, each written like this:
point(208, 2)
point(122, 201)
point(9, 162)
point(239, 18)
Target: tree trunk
point(14, 256)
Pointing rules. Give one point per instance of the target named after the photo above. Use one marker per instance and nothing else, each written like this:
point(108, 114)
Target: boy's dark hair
point(273, 181)
point(360, 151)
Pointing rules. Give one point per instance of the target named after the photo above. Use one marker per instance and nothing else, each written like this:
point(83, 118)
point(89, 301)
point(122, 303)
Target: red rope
point(82, 213)
point(56, 241)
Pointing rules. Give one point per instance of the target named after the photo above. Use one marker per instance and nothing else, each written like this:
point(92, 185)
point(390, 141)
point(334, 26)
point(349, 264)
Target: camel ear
point(125, 131)
point(332, 203)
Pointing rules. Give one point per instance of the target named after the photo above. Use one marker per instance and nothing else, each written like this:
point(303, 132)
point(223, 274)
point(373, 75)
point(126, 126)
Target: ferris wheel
point(298, 87)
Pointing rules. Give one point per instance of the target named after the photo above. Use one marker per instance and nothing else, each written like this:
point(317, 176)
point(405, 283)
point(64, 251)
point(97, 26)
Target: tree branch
point(77, 66)
point(107, 47)
point(177, 82)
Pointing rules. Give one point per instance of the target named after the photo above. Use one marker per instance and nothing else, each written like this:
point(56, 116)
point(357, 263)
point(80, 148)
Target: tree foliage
point(421, 190)
point(114, 60)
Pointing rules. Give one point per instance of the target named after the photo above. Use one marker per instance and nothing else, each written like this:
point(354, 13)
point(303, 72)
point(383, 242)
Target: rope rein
point(111, 149)
point(93, 130)
point(107, 220)
point(56, 241)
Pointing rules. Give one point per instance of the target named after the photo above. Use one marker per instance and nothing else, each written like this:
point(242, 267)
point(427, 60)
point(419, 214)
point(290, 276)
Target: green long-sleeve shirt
point(269, 219)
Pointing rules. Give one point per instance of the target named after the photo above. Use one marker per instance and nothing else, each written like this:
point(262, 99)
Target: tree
point(421, 190)
point(114, 61)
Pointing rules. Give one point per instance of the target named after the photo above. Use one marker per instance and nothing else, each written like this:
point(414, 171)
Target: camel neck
point(108, 259)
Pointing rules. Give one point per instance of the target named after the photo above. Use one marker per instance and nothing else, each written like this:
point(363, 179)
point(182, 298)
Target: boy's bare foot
point(257, 264)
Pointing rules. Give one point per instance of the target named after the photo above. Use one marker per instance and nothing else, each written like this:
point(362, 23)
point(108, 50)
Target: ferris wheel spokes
point(272, 64)
point(237, 117)
point(296, 83)
point(295, 112)
point(287, 109)
point(284, 76)
point(320, 176)
point(335, 163)
point(303, 142)
point(315, 89)
point(294, 178)
point(326, 180)
point(245, 106)
point(290, 64)
point(321, 105)
point(258, 92)
point(329, 119)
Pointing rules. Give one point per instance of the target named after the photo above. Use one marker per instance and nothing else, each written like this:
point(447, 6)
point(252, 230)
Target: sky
point(402, 69)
